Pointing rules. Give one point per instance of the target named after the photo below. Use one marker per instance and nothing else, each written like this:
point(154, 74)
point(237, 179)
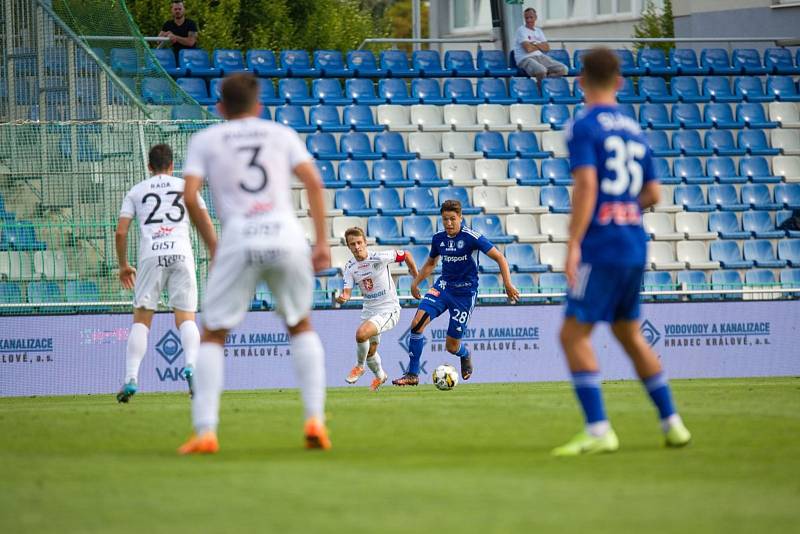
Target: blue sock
point(462, 351)
point(658, 388)
point(415, 344)
point(587, 389)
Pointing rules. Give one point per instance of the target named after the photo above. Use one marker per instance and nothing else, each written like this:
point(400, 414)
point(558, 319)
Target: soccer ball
point(445, 377)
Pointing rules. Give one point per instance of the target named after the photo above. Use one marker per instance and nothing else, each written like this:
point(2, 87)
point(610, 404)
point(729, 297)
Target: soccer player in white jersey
point(165, 262)
point(381, 311)
point(248, 163)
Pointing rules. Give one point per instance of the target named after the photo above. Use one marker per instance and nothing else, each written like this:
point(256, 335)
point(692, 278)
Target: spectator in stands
point(180, 31)
point(530, 46)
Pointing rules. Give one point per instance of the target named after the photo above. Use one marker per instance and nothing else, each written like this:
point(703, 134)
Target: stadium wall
point(68, 355)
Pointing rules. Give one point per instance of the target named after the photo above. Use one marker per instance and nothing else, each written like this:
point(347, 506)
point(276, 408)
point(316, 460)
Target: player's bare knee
point(214, 336)
point(363, 334)
point(452, 345)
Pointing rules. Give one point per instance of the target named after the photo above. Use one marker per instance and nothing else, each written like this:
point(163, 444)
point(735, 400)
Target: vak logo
point(650, 333)
point(169, 347)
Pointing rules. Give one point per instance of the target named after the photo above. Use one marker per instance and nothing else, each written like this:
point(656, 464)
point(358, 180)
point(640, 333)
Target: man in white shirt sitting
point(530, 46)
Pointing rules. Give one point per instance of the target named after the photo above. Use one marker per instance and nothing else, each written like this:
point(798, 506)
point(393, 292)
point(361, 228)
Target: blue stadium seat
point(329, 178)
point(55, 61)
point(385, 231)
point(395, 64)
point(493, 91)
point(84, 291)
point(692, 198)
point(489, 283)
point(556, 171)
point(755, 143)
point(329, 91)
point(525, 172)
point(757, 196)
point(577, 90)
point(762, 254)
point(659, 143)
point(322, 298)
point(526, 284)
point(10, 293)
point(421, 200)
point(729, 255)
point(266, 91)
point(685, 62)
point(428, 63)
point(423, 172)
point(779, 61)
point(688, 116)
point(395, 91)
point(789, 277)
point(460, 194)
point(690, 170)
point(719, 115)
point(562, 56)
point(165, 58)
point(525, 91)
point(228, 61)
point(722, 280)
point(555, 198)
point(756, 169)
point(391, 146)
point(748, 61)
point(295, 91)
point(627, 94)
point(664, 173)
point(654, 63)
point(418, 228)
point(86, 149)
point(522, 259)
point(196, 88)
point(553, 283)
point(788, 195)
point(492, 228)
point(353, 202)
point(780, 218)
point(298, 64)
point(658, 281)
point(789, 250)
point(356, 174)
point(46, 293)
point(124, 61)
point(689, 143)
point(493, 63)
point(753, 116)
point(326, 118)
point(655, 116)
point(723, 170)
point(114, 93)
point(556, 115)
point(726, 225)
point(718, 88)
point(322, 145)
point(725, 198)
point(577, 58)
point(783, 88)
point(760, 278)
point(761, 225)
point(390, 173)
point(357, 146)
point(628, 64)
point(693, 280)
point(363, 65)
point(459, 91)
point(556, 90)
point(460, 63)
point(185, 112)
point(387, 202)
point(330, 64)
point(404, 281)
point(525, 145)
point(716, 61)
point(720, 142)
point(262, 63)
point(749, 88)
point(293, 117)
point(362, 91)
point(5, 215)
point(20, 236)
point(428, 91)
point(492, 145)
point(159, 91)
point(687, 90)
point(196, 63)
point(655, 90)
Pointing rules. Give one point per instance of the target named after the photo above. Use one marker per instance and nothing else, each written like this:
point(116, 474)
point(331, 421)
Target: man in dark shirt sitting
point(180, 31)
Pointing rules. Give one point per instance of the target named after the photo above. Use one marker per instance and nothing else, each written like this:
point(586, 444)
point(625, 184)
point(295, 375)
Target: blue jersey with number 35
point(604, 138)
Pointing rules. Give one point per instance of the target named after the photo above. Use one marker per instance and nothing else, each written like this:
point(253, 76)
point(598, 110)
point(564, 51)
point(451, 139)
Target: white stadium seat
point(395, 117)
point(524, 226)
point(339, 256)
point(460, 145)
point(51, 264)
point(493, 172)
point(554, 255)
point(428, 118)
point(491, 199)
point(461, 117)
point(786, 140)
point(308, 229)
point(786, 113)
point(666, 203)
point(526, 117)
point(16, 265)
point(426, 144)
point(555, 226)
point(661, 256)
point(554, 142)
point(660, 226)
point(328, 196)
point(788, 167)
point(494, 117)
point(693, 225)
point(525, 199)
point(695, 255)
point(458, 171)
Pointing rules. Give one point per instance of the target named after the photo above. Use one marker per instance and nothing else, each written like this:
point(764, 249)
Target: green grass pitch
point(475, 459)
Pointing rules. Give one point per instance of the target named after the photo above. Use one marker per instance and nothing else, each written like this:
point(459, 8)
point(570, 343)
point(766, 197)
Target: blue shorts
point(459, 304)
point(605, 293)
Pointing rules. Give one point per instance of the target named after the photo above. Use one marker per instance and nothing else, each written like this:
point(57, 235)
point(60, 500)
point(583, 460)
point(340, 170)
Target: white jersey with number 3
point(372, 276)
point(157, 203)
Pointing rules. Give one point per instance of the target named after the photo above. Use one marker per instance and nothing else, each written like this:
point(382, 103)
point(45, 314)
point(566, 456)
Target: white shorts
point(383, 322)
point(173, 273)
point(234, 275)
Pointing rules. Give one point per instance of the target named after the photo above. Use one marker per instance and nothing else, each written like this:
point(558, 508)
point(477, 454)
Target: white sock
point(134, 353)
point(361, 352)
point(190, 339)
point(598, 429)
point(309, 366)
point(208, 382)
point(667, 422)
point(374, 364)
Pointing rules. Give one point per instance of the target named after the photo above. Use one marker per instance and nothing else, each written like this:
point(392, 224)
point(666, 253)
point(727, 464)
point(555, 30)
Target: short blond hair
point(356, 231)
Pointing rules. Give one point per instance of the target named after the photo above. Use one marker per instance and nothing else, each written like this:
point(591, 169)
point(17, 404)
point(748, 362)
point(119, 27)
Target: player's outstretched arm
point(584, 197)
point(650, 194)
point(309, 175)
point(344, 296)
point(425, 272)
point(511, 292)
point(199, 216)
point(412, 265)
point(127, 273)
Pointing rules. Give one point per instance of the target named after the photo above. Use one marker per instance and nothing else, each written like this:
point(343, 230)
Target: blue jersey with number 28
point(604, 138)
